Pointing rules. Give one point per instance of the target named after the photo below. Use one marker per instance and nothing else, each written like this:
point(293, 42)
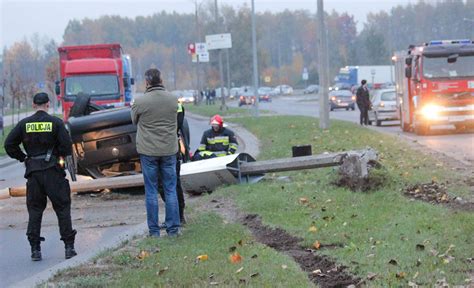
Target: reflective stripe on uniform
point(218, 140)
point(180, 108)
point(202, 147)
point(39, 127)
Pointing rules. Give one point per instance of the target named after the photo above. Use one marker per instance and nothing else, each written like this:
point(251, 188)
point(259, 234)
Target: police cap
point(40, 98)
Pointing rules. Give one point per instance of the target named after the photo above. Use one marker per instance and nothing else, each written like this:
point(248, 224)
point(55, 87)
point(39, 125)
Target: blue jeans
point(154, 169)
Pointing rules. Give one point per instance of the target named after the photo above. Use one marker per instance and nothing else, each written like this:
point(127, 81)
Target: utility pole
point(221, 70)
point(255, 60)
point(198, 38)
point(323, 70)
point(3, 106)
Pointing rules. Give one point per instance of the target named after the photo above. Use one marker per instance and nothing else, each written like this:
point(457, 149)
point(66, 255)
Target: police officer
point(180, 156)
point(46, 141)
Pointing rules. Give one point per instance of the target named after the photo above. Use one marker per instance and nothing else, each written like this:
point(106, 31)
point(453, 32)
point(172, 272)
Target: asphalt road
point(443, 138)
point(94, 224)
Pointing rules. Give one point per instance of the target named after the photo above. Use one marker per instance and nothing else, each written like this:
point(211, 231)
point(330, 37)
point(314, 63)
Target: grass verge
point(210, 110)
point(380, 233)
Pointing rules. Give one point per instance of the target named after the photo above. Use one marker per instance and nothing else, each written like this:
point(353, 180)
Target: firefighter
point(217, 141)
point(46, 141)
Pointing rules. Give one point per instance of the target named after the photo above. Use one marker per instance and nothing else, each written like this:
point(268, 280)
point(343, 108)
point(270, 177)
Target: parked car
point(311, 89)
point(341, 99)
point(384, 106)
point(265, 94)
point(186, 96)
point(283, 89)
point(247, 97)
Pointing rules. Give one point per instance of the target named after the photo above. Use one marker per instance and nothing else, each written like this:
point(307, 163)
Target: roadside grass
point(380, 231)
point(373, 228)
point(176, 265)
point(210, 110)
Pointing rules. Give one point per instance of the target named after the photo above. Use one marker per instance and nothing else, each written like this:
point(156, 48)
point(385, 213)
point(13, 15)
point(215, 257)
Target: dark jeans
point(163, 168)
point(49, 183)
point(179, 191)
point(364, 115)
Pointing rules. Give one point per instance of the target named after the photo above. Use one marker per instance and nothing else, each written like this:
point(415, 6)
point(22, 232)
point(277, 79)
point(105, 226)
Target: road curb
point(115, 242)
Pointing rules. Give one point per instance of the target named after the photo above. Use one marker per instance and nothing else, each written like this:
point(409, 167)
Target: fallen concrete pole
point(4, 194)
point(206, 175)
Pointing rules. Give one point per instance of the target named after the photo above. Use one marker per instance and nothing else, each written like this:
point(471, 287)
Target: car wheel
point(80, 106)
point(377, 121)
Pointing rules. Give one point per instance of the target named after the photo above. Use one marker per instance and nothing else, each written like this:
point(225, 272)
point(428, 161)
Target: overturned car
point(104, 140)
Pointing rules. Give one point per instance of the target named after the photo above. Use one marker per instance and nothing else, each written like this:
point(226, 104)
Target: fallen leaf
point(254, 275)
point(242, 281)
point(211, 275)
point(411, 284)
point(400, 275)
point(434, 252)
point(162, 271)
point(317, 245)
point(313, 229)
point(254, 256)
point(393, 262)
point(416, 275)
point(448, 259)
point(328, 201)
point(353, 215)
point(418, 262)
point(232, 249)
point(371, 276)
point(316, 272)
point(303, 200)
point(370, 255)
point(201, 258)
point(143, 254)
point(214, 283)
point(284, 267)
point(241, 242)
point(420, 247)
point(239, 270)
point(235, 258)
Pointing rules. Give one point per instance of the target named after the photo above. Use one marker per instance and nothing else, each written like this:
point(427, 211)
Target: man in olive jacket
point(154, 113)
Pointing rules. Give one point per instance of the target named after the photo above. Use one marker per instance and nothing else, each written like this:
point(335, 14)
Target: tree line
point(287, 43)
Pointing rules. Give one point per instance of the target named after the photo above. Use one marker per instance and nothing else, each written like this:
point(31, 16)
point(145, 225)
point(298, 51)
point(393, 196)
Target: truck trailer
point(435, 85)
point(376, 75)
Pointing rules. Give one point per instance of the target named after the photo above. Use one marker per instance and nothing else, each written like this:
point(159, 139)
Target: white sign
point(305, 75)
point(203, 57)
point(218, 41)
point(201, 48)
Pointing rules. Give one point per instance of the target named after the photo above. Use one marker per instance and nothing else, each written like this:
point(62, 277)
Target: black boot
point(70, 251)
point(36, 252)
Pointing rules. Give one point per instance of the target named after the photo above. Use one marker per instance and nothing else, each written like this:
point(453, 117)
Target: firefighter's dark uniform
point(41, 135)
point(180, 156)
point(216, 144)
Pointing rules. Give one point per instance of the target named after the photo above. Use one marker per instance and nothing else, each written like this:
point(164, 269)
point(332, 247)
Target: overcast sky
point(23, 18)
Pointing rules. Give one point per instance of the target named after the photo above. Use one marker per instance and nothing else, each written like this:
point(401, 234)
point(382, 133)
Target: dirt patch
point(331, 274)
point(436, 193)
point(375, 180)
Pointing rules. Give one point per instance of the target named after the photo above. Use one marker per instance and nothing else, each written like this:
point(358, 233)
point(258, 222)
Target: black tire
point(80, 106)
point(377, 121)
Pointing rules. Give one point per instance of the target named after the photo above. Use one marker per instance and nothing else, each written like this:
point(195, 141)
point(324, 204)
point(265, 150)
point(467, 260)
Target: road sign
point(203, 57)
point(219, 41)
point(305, 75)
point(201, 47)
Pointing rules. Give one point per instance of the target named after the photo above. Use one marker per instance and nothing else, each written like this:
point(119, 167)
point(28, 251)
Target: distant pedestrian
point(45, 140)
point(157, 144)
point(363, 102)
point(213, 96)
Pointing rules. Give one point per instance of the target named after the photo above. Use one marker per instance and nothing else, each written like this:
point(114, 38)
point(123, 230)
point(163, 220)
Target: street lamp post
point(323, 70)
point(255, 60)
point(3, 106)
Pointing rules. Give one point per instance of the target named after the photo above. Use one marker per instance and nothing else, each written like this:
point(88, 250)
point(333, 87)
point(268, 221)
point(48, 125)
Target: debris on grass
point(433, 192)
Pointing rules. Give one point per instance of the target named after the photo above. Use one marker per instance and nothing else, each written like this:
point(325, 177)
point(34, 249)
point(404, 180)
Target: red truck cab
point(96, 70)
point(435, 85)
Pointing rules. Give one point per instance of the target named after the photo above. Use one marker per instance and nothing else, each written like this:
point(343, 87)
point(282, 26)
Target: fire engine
point(435, 85)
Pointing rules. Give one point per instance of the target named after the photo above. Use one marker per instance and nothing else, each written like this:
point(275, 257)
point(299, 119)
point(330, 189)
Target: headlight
point(382, 104)
point(333, 98)
point(353, 98)
point(430, 111)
